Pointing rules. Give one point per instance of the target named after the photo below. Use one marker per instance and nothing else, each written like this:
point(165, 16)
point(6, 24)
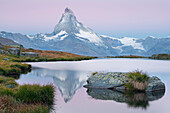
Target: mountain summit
point(67, 10)
point(69, 25)
point(72, 36)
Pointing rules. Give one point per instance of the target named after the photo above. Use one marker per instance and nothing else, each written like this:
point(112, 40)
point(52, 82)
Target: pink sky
point(135, 18)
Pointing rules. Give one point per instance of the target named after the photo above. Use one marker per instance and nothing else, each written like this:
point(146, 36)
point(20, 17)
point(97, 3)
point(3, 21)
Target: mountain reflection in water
point(66, 81)
point(135, 100)
point(69, 77)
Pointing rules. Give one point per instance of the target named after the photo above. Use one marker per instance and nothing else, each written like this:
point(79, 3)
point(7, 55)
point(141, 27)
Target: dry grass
point(44, 56)
point(26, 98)
point(8, 104)
point(13, 69)
point(53, 54)
point(138, 80)
point(140, 85)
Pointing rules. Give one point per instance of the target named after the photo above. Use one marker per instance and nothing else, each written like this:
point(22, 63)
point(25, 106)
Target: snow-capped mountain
point(68, 25)
point(69, 35)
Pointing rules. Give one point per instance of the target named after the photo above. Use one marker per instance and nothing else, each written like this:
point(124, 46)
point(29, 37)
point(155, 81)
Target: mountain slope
point(8, 42)
point(70, 35)
point(1, 46)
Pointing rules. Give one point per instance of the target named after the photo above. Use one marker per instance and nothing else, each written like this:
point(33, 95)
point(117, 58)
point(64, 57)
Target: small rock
point(1, 46)
point(14, 51)
point(155, 84)
point(117, 80)
point(2, 51)
point(6, 59)
point(30, 54)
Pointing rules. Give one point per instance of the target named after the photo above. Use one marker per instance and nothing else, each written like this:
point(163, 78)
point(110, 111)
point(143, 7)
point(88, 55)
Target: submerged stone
point(136, 100)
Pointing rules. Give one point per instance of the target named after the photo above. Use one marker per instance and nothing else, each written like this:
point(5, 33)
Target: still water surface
point(72, 97)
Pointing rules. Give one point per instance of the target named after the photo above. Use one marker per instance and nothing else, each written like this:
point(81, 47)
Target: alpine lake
point(69, 77)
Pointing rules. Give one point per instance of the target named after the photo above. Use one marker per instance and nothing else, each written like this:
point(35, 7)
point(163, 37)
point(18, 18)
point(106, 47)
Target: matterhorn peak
point(69, 25)
point(67, 10)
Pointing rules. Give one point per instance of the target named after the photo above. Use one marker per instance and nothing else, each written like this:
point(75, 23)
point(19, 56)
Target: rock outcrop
point(30, 54)
point(1, 46)
point(2, 51)
point(14, 51)
point(117, 81)
point(155, 84)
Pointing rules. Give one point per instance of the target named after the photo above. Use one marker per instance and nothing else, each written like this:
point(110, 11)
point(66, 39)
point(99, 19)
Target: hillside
point(9, 42)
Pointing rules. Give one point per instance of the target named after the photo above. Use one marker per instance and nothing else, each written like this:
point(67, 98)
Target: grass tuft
point(36, 94)
point(138, 80)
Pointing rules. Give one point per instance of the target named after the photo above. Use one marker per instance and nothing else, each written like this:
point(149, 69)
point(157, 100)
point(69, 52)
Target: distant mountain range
point(69, 35)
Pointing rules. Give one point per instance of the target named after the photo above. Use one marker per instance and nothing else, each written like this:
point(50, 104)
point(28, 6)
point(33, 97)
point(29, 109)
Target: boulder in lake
point(30, 54)
point(116, 81)
point(155, 84)
point(106, 80)
point(14, 51)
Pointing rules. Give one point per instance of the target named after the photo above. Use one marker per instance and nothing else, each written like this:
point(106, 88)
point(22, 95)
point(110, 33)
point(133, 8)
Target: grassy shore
point(155, 56)
point(44, 56)
point(26, 98)
point(161, 56)
point(15, 98)
point(127, 56)
point(13, 69)
point(22, 99)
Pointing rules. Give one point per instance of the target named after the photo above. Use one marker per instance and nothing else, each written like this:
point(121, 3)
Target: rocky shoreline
point(117, 81)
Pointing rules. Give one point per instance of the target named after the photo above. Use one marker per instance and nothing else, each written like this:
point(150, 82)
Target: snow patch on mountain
point(61, 36)
point(126, 41)
point(30, 37)
point(92, 37)
point(118, 47)
point(82, 39)
point(3, 34)
point(104, 36)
